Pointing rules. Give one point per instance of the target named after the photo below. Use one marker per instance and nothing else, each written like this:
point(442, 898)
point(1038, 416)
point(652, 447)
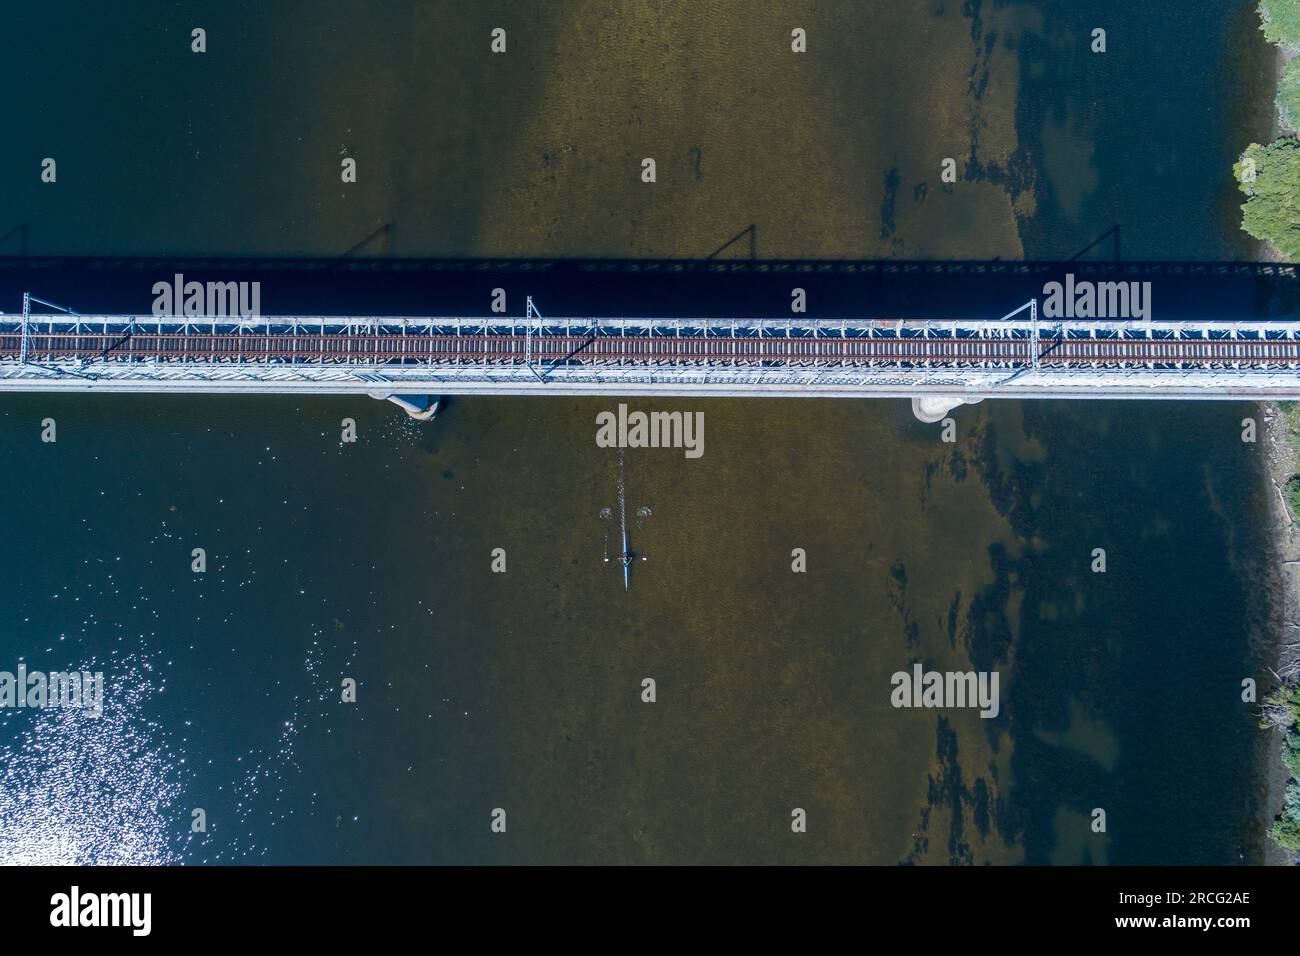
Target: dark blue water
point(372, 560)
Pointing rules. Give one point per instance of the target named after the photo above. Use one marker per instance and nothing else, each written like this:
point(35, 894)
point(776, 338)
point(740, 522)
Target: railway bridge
point(939, 361)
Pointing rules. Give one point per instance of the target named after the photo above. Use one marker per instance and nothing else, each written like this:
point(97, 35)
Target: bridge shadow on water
point(710, 287)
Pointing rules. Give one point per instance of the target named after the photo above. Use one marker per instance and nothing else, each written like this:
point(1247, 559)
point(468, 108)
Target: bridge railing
point(881, 326)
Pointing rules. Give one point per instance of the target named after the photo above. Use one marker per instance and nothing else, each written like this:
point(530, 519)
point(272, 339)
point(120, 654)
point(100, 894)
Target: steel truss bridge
point(915, 329)
point(47, 348)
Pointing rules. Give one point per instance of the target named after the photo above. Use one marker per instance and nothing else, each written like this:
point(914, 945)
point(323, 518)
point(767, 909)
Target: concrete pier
point(934, 408)
point(420, 407)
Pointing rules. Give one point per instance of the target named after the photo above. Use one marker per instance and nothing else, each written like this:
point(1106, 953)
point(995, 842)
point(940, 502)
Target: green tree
point(1288, 95)
point(1270, 178)
point(1293, 494)
point(1281, 708)
point(1286, 831)
point(1291, 754)
point(1281, 21)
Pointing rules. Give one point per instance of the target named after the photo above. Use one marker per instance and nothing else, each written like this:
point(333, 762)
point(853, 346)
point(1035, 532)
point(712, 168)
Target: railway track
point(351, 348)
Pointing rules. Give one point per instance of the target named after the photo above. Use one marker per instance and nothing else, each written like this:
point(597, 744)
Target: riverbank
point(1281, 434)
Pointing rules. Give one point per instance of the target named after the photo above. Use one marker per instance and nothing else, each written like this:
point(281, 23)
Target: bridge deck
point(888, 356)
point(505, 349)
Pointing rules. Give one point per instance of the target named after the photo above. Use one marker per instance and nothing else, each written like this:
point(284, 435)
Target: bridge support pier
point(420, 407)
point(934, 408)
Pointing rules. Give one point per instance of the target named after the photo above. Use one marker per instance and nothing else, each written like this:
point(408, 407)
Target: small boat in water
point(627, 555)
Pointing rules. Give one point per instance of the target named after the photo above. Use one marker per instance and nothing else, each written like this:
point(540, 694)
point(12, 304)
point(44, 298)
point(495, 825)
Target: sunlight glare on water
point(80, 789)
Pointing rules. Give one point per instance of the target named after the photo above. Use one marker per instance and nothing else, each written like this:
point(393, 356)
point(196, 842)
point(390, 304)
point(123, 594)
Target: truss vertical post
point(1033, 324)
point(530, 313)
point(27, 311)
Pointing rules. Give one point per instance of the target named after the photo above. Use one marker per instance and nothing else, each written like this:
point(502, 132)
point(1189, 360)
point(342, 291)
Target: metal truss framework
point(1017, 355)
